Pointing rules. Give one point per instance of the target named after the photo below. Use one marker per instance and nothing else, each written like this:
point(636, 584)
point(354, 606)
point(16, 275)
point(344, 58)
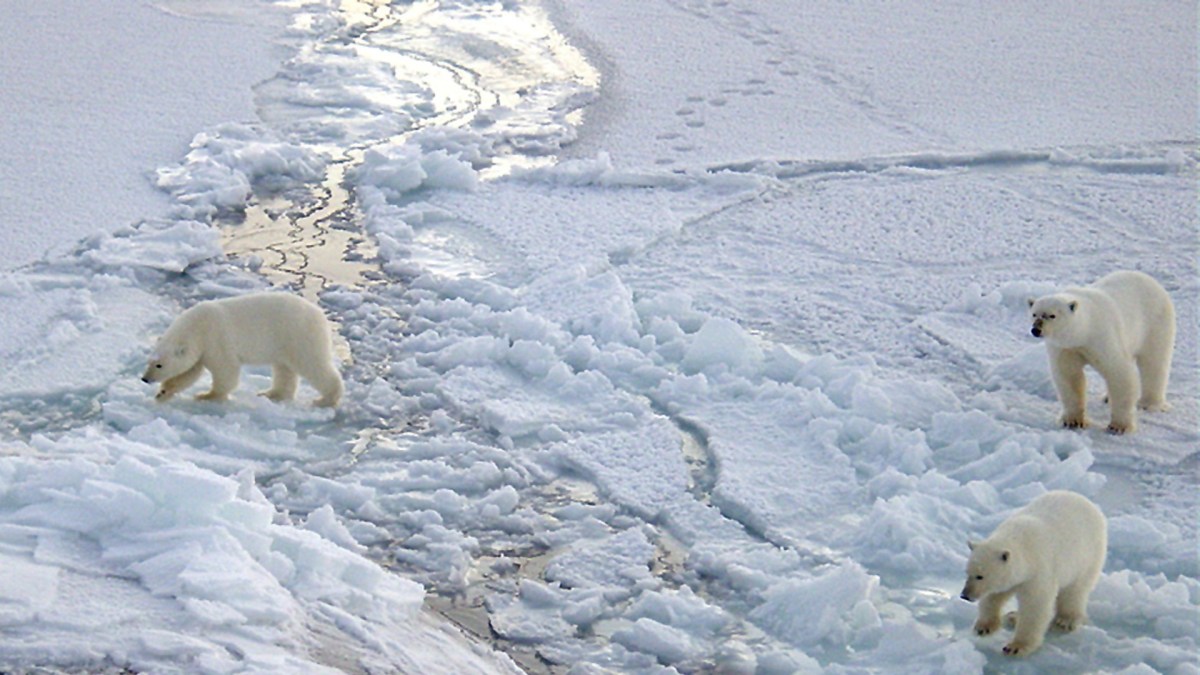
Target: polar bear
point(1123, 326)
point(1048, 554)
point(287, 332)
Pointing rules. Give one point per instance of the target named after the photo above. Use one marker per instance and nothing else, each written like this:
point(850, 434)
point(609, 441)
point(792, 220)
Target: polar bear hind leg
point(1154, 365)
point(1124, 390)
point(1071, 606)
point(284, 382)
point(326, 380)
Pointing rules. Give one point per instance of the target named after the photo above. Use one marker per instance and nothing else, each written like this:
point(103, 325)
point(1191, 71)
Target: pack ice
point(682, 337)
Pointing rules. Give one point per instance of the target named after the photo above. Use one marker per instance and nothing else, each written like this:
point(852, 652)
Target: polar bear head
point(171, 357)
point(991, 569)
point(1054, 317)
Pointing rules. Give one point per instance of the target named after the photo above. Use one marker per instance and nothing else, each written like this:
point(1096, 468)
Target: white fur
point(1123, 326)
point(284, 331)
point(1049, 555)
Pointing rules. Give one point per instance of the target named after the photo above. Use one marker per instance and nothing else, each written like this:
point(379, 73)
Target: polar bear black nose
point(1037, 332)
point(146, 380)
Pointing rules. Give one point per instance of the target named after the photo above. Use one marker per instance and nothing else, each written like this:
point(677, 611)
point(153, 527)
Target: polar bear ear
point(1072, 305)
point(1031, 301)
point(180, 351)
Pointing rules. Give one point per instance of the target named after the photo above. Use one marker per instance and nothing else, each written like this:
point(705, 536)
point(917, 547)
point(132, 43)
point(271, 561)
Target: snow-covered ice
point(678, 335)
point(95, 96)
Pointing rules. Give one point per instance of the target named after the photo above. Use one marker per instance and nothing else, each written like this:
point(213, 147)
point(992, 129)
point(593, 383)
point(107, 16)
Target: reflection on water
point(499, 69)
point(307, 247)
point(443, 254)
point(371, 14)
point(500, 567)
point(222, 11)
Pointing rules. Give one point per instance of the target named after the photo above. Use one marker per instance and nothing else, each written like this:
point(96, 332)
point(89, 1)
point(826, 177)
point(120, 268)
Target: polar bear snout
point(1039, 324)
point(152, 372)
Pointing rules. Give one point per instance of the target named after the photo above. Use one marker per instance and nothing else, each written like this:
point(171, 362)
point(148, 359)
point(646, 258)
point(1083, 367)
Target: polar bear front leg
point(224, 380)
point(1124, 389)
point(1035, 610)
point(178, 383)
point(1066, 368)
point(989, 613)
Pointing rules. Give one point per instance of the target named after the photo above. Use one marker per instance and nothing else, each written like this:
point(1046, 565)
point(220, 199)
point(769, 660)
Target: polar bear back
point(262, 328)
point(1064, 533)
point(1142, 305)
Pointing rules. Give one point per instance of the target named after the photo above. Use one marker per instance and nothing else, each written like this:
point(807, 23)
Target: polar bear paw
point(1067, 622)
point(1020, 648)
point(1077, 421)
point(1154, 406)
point(1121, 428)
point(987, 626)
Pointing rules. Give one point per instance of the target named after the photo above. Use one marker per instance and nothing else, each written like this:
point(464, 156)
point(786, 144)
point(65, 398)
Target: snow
point(681, 336)
point(226, 165)
point(84, 126)
point(829, 82)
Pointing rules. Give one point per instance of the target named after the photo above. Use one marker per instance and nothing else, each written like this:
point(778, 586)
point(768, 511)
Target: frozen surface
point(830, 81)
point(683, 337)
point(83, 127)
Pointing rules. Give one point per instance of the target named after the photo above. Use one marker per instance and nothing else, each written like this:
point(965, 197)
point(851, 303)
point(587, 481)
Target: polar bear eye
point(978, 577)
point(158, 365)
